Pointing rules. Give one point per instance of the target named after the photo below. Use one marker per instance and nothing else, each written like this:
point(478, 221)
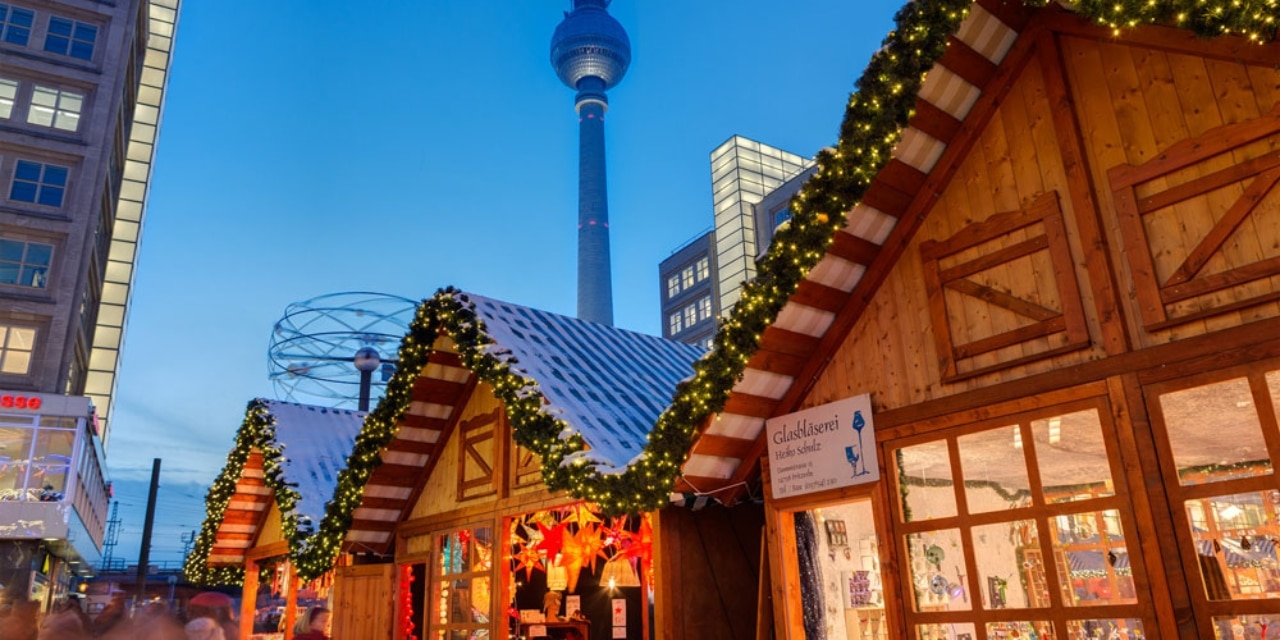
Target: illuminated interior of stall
point(574, 570)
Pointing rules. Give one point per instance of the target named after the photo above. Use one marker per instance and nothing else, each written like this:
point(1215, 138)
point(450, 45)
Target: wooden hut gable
point(272, 491)
point(988, 244)
point(492, 400)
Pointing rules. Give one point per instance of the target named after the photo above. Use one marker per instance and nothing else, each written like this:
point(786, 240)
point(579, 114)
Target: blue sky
point(312, 147)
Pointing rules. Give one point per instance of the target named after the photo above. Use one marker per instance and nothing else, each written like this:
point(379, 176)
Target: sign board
point(823, 448)
point(619, 612)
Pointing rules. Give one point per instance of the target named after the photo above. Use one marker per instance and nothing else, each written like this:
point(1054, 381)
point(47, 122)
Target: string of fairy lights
point(876, 114)
point(258, 432)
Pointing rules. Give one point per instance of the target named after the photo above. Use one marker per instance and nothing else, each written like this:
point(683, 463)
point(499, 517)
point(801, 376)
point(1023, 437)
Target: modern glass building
point(81, 91)
point(752, 185)
point(743, 171)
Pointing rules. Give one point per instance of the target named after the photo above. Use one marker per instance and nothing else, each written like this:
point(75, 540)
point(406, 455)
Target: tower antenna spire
point(590, 52)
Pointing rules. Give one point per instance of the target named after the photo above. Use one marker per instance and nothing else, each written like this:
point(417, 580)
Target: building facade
point(81, 90)
point(752, 185)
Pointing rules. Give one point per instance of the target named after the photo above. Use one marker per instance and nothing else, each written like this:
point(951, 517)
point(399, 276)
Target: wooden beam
point(384, 503)
point(786, 342)
point(423, 422)
point(818, 296)
point(886, 199)
point(852, 248)
point(412, 446)
point(744, 404)
point(776, 362)
point(963, 61)
point(445, 359)
point(380, 526)
point(933, 121)
point(901, 176)
point(396, 475)
point(1174, 40)
point(709, 444)
point(436, 391)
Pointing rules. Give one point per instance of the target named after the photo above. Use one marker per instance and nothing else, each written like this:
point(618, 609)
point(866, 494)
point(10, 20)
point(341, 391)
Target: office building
point(81, 91)
point(752, 185)
point(591, 52)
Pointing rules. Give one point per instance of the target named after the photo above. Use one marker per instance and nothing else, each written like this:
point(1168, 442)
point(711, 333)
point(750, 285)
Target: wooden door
point(362, 601)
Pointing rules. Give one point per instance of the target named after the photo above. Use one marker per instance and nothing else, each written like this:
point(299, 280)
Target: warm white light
point(1017, 437)
point(1230, 512)
point(1055, 430)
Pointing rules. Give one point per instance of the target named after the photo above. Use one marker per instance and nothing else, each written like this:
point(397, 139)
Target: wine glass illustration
point(858, 424)
point(851, 453)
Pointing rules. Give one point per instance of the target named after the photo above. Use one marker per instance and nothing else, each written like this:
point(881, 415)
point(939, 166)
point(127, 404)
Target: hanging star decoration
point(592, 539)
point(574, 555)
point(581, 515)
point(638, 544)
point(552, 538)
point(528, 559)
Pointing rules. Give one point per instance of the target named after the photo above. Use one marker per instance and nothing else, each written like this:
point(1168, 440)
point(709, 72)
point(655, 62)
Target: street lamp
point(367, 361)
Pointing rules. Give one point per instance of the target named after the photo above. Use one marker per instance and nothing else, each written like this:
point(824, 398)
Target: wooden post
point(249, 601)
point(290, 602)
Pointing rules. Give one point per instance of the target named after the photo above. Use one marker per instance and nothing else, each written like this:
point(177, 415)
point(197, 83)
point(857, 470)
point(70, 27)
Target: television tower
point(590, 52)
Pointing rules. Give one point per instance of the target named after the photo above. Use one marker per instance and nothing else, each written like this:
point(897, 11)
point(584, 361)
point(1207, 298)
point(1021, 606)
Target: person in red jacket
point(312, 624)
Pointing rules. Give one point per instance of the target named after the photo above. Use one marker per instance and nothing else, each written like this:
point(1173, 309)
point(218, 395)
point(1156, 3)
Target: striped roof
point(286, 454)
point(599, 383)
point(609, 384)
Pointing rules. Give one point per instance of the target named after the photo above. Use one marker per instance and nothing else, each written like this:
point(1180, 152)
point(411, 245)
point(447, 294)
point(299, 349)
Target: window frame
point(7, 328)
point(72, 38)
point(40, 183)
point(22, 264)
point(57, 112)
point(8, 27)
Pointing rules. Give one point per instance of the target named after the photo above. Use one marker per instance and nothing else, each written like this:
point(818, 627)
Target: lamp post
point(367, 361)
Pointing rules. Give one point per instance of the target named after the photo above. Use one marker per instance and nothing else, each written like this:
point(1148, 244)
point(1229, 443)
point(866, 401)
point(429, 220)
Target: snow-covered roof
point(608, 384)
point(316, 442)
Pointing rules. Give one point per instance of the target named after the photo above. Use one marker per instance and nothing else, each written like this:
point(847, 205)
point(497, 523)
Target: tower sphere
point(589, 43)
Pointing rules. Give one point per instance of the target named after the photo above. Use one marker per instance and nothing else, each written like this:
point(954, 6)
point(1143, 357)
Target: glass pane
point(938, 571)
point(18, 362)
point(1038, 630)
point(480, 601)
point(20, 338)
point(9, 274)
point(1072, 458)
point(847, 555)
point(60, 26)
point(1010, 565)
point(50, 196)
point(1263, 627)
point(54, 445)
point(995, 470)
point(925, 482)
point(15, 455)
point(481, 549)
point(44, 96)
point(55, 175)
point(460, 601)
point(1119, 629)
point(1091, 558)
point(946, 631)
point(29, 171)
point(452, 554)
point(1235, 544)
point(50, 481)
point(38, 253)
point(12, 250)
point(1214, 433)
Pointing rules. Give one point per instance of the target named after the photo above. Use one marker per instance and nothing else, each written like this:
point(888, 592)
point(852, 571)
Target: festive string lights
point(875, 116)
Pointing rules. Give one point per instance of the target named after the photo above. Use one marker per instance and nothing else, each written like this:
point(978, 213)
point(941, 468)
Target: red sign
point(20, 402)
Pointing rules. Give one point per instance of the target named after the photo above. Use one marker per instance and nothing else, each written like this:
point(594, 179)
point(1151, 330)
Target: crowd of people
point(67, 620)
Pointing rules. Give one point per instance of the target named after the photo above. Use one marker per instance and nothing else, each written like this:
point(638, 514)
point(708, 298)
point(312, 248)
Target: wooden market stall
point(264, 504)
point(1030, 386)
point(503, 470)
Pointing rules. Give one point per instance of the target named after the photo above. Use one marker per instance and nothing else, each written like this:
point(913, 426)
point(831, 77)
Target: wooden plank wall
point(1130, 102)
point(710, 572)
point(440, 495)
point(362, 602)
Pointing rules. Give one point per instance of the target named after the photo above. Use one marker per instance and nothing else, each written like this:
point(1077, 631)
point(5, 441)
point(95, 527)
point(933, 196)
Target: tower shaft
point(595, 286)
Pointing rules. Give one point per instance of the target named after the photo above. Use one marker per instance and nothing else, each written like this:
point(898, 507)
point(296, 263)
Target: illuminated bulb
point(1055, 430)
point(1017, 438)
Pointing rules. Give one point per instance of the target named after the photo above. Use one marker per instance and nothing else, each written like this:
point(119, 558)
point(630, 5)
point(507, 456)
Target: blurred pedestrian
point(218, 606)
point(204, 629)
point(64, 622)
point(23, 621)
point(312, 624)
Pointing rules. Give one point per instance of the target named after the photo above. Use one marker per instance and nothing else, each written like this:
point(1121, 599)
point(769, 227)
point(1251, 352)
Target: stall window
point(838, 557)
point(1218, 436)
point(462, 585)
point(1016, 528)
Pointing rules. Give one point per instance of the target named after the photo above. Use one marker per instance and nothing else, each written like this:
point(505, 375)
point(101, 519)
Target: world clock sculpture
point(337, 349)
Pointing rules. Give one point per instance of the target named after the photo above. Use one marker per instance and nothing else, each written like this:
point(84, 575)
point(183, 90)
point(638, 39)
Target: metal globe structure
point(320, 347)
